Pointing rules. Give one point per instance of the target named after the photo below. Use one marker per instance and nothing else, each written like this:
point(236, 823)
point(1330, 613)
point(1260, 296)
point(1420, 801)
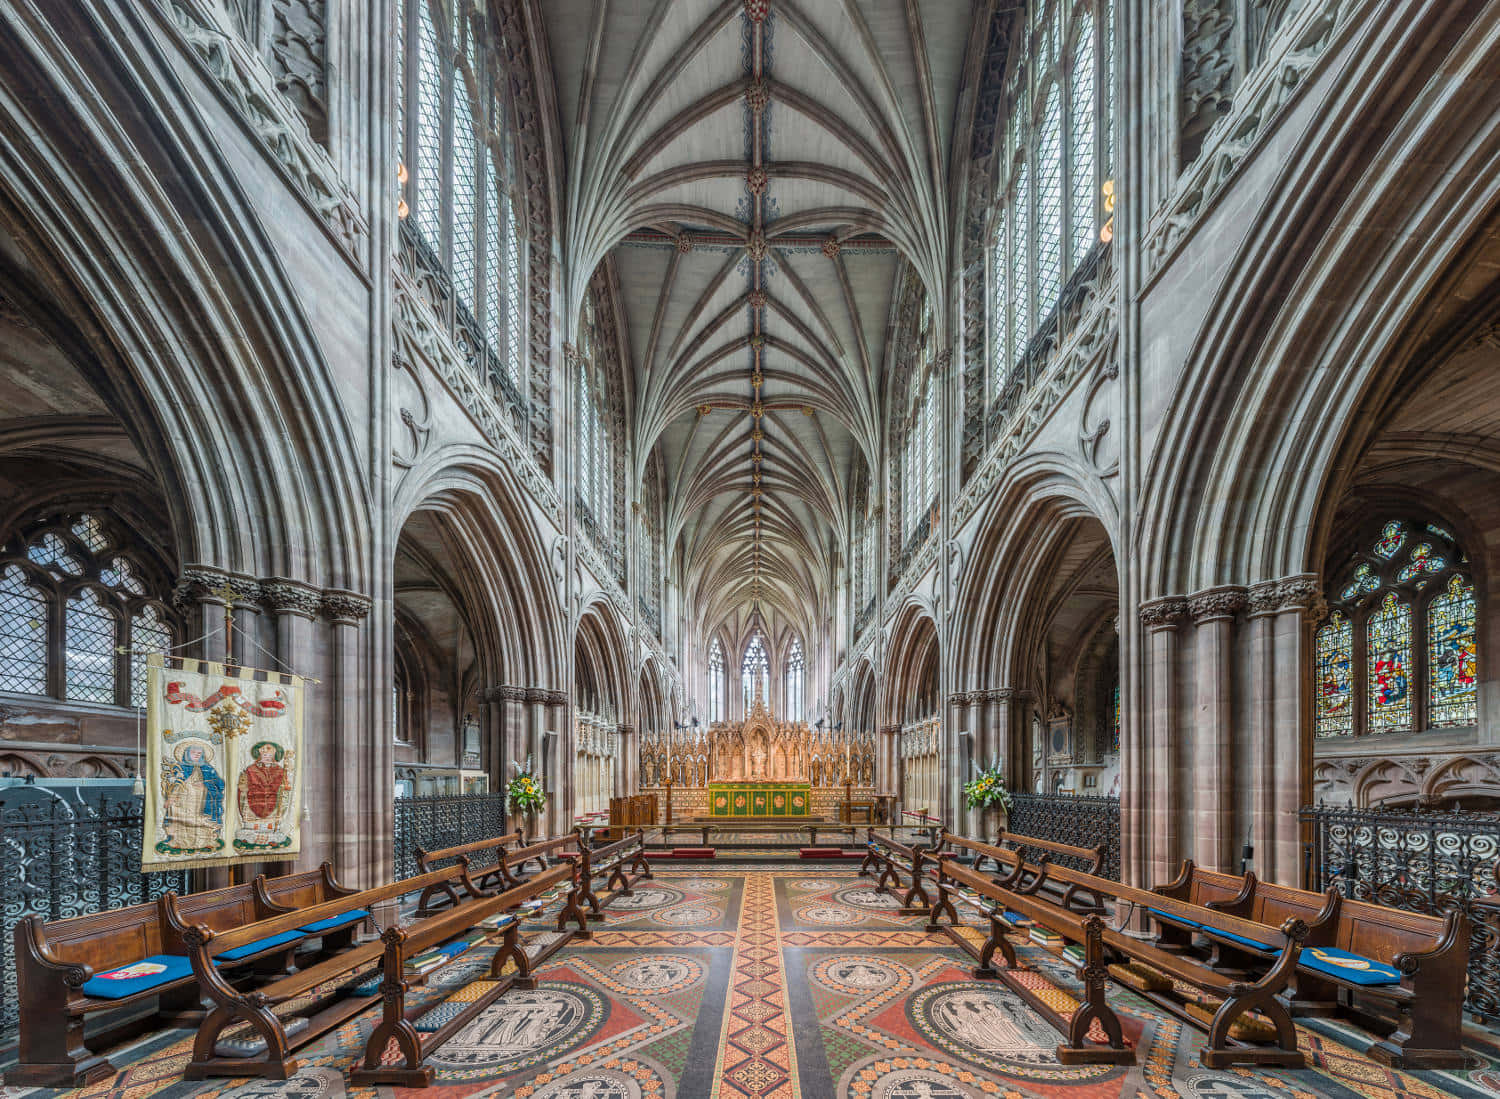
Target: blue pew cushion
point(1172, 918)
point(1354, 968)
point(1241, 940)
point(1015, 919)
point(141, 976)
point(260, 944)
point(334, 922)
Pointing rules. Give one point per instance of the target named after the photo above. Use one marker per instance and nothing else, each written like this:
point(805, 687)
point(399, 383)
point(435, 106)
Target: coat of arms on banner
point(223, 765)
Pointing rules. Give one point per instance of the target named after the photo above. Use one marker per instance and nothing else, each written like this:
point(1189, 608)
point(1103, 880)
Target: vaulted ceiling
point(756, 171)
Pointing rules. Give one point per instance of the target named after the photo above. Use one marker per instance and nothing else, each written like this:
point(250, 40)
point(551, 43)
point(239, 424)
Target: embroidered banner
point(223, 768)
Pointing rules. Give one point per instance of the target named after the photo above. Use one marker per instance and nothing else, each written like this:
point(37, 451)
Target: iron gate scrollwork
point(1083, 821)
point(62, 858)
point(445, 820)
point(1423, 862)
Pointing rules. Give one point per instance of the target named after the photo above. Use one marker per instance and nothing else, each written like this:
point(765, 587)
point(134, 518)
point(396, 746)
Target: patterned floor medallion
point(522, 1029)
point(662, 973)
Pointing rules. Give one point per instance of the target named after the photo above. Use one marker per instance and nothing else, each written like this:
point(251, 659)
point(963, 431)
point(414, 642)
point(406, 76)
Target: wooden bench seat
point(611, 861)
point(1365, 960)
point(1090, 860)
point(234, 1006)
point(403, 1022)
point(897, 857)
point(118, 960)
point(1236, 999)
point(487, 877)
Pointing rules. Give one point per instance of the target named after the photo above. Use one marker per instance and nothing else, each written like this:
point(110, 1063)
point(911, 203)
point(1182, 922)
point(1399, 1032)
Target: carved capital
point(1164, 613)
point(1224, 602)
point(960, 698)
point(290, 596)
point(1264, 598)
point(346, 607)
point(207, 584)
point(1300, 591)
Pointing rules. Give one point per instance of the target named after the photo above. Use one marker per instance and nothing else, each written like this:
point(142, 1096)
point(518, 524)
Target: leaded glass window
point(23, 634)
point(427, 189)
point(715, 682)
point(148, 633)
point(755, 671)
point(90, 654)
point(1054, 161)
point(1334, 649)
point(468, 147)
point(795, 678)
point(71, 596)
point(1397, 652)
point(1452, 666)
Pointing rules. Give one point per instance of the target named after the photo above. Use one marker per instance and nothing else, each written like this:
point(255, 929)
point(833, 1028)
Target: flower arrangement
point(524, 793)
point(987, 788)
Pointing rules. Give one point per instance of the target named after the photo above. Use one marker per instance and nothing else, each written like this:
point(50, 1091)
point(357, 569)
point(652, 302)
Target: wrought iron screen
point(1080, 821)
point(1421, 861)
point(444, 821)
point(61, 858)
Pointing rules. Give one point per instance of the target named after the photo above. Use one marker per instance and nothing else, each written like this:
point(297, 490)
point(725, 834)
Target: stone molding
point(243, 77)
point(1213, 603)
point(1165, 613)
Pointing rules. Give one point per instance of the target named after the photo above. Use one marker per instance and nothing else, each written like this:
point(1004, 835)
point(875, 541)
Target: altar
point(761, 800)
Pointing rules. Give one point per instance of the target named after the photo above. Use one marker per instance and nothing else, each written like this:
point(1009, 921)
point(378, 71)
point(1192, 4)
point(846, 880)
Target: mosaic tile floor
point(797, 981)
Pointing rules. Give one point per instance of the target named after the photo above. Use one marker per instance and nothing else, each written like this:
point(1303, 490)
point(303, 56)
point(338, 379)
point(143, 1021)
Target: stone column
point(628, 761)
point(296, 607)
point(966, 730)
point(1301, 609)
point(1264, 601)
point(1162, 619)
point(1213, 770)
point(362, 816)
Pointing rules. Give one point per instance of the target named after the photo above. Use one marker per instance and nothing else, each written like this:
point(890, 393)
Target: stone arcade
point(824, 403)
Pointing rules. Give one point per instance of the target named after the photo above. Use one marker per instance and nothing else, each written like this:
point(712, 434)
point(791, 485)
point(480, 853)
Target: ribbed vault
point(758, 170)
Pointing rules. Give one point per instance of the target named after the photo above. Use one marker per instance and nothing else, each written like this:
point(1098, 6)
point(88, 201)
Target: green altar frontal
point(759, 799)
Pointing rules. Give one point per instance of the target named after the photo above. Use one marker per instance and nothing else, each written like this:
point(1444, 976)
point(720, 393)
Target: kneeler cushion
point(1140, 977)
point(248, 1042)
point(1354, 968)
point(142, 976)
point(1249, 1027)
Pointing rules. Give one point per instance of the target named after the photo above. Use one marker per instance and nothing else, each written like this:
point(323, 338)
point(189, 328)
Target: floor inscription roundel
point(524, 1028)
point(661, 973)
point(642, 898)
point(858, 974)
point(832, 915)
point(688, 915)
point(595, 1084)
point(989, 1025)
point(866, 896)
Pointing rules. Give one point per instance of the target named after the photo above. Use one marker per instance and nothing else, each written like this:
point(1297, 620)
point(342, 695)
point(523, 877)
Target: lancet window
point(1056, 157)
point(1397, 651)
point(920, 455)
point(794, 682)
point(73, 595)
point(755, 671)
point(457, 157)
point(715, 682)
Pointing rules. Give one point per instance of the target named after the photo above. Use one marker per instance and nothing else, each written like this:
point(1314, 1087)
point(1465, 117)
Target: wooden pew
point(997, 903)
point(566, 846)
point(294, 892)
point(399, 1021)
point(1197, 886)
point(1091, 858)
point(1237, 998)
point(611, 860)
point(898, 857)
point(71, 970)
point(486, 878)
point(1388, 968)
point(232, 1005)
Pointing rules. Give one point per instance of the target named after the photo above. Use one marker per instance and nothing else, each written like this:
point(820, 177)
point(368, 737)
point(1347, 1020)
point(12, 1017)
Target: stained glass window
point(1081, 140)
point(1423, 559)
point(1363, 580)
point(1334, 698)
point(715, 682)
point(1392, 537)
point(795, 680)
point(755, 671)
point(23, 634)
point(148, 633)
point(1388, 641)
point(90, 656)
point(1452, 664)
